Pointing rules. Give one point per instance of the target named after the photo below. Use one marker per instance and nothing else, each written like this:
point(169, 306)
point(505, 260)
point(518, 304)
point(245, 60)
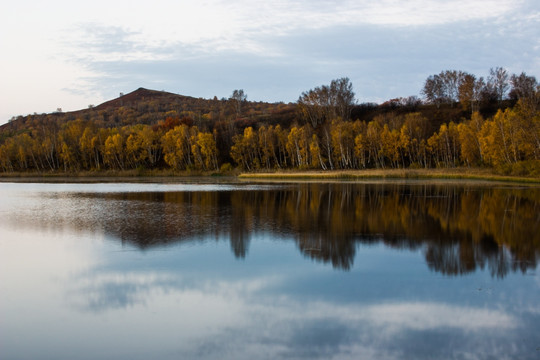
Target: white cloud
point(431, 316)
point(244, 294)
point(217, 315)
point(243, 26)
point(422, 12)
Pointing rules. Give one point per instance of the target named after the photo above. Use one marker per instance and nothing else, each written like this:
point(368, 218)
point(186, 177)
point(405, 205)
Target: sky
point(70, 54)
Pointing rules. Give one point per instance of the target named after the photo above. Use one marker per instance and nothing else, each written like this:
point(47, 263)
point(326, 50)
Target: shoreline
point(390, 174)
point(112, 176)
point(286, 175)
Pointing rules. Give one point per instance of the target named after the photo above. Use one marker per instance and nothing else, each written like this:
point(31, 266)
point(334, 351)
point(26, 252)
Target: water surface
point(392, 270)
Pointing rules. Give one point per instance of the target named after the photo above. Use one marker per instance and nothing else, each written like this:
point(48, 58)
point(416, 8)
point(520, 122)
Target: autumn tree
point(206, 147)
point(150, 141)
point(114, 150)
point(500, 138)
point(361, 145)
point(416, 129)
point(343, 142)
point(298, 146)
point(6, 155)
point(389, 147)
point(176, 147)
point(319, 106)
point(88, 148)
point(471, 92)
point(136, 154)
point(374, 144)
point(245, 149)
point(469, 138)
point(469, 149)
point(272, 147)
point(69, 144)
point(444, 145)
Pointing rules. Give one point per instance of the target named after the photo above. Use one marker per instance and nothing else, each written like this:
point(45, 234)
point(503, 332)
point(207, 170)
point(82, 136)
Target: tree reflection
point(459, 228)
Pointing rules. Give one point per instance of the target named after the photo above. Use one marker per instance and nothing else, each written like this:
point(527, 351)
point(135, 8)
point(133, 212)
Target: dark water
point(399, 270)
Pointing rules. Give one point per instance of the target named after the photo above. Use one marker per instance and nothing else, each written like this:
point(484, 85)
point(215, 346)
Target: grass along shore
point(131, 175)
point(455, 173)
point(110, 175)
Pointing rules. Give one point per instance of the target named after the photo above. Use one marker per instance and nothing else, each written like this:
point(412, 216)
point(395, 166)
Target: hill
point(149, 107)
point(141, 95)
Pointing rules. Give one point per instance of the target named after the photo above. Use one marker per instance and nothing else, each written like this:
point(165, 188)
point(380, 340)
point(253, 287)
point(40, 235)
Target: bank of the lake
point(454, 174)
point(112, 175)
point(168, 174)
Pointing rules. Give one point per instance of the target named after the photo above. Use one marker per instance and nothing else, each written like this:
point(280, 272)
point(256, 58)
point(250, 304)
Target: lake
point(229, 269)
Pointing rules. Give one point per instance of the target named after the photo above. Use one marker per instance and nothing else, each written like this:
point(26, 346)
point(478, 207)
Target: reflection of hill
point(460, 229)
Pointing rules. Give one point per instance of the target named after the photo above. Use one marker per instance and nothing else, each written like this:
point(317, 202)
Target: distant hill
point(141, 95)
point(149, 107)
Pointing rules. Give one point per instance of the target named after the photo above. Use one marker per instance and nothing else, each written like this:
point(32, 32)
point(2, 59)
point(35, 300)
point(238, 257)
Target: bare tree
point(478, 93)
point(523, 86)
point(237, 98)
point(323, 103)
point(498, 81)
point(434, 90)
point(342, 97)
point(526, 89)
point(452, 79)
point(444, 87)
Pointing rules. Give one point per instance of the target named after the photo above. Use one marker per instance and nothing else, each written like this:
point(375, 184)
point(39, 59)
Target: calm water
point(399, 270)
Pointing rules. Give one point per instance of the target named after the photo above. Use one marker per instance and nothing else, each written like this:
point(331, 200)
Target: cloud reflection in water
point(238, 319)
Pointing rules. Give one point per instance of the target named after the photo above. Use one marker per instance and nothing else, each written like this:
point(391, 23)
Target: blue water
point(229, 271)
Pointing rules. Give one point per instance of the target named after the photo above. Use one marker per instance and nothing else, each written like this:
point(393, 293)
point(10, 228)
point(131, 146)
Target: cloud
point(421, 316)
point(422, 12)
point(115, 291)
point(382, 62)
point(112, 290)
point(245, 26)
point(222, 316)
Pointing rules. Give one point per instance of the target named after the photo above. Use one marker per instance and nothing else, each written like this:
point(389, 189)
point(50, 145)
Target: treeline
point(149, 129)
point(82, 145)
point(452, 86)
point(511, 137)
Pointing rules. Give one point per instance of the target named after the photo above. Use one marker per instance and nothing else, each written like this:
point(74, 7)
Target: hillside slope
point(149, 107)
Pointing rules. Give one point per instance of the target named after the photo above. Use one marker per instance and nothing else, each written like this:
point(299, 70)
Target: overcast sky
point(70, 54)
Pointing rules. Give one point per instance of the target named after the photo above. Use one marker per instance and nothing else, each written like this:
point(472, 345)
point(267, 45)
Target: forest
point(460, 120)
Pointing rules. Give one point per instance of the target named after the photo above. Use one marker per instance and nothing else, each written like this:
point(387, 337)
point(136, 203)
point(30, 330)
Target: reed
point(452, 174)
